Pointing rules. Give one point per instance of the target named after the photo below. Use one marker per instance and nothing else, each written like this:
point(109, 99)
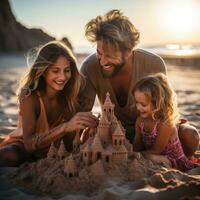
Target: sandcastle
point(106, 143)
point(102, 157)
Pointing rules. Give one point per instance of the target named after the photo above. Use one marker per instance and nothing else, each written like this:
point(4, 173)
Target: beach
point(161, 184)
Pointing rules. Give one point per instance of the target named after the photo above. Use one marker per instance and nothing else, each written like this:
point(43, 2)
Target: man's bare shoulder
point(89, 61)
point(152, 62)
point(146, 53)
point(90, 67)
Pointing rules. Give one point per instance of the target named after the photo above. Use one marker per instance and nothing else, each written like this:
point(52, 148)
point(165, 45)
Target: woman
point(47, 99)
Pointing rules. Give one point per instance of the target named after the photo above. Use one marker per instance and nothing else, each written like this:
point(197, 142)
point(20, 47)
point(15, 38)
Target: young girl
point(156, 132)
point(47, 102)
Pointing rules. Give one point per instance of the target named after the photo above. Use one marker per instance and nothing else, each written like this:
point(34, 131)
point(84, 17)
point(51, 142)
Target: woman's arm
point(33, 140)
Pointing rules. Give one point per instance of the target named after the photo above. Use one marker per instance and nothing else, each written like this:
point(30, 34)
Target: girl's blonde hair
point(45, 57)
point(162, 96)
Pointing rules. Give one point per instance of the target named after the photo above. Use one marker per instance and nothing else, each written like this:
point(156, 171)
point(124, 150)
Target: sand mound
point(137, 179)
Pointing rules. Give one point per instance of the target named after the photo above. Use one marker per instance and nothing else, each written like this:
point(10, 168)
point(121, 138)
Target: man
point(116, 66)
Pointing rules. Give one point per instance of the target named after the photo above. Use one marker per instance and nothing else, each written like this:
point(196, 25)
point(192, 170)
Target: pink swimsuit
point(173, 150)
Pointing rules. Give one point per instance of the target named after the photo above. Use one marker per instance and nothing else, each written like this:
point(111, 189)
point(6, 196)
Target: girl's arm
point(137, 144)
point(33, 140)
point(165, 133)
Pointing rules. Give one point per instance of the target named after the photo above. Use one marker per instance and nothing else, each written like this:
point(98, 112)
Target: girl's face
point(58, 74)
point(143, 104)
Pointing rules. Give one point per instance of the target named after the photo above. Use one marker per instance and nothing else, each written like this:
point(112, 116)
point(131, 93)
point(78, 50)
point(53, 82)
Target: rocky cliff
point(16, 37)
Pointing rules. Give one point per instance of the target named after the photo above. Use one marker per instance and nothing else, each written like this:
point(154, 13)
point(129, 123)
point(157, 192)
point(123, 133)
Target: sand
point(143, 181)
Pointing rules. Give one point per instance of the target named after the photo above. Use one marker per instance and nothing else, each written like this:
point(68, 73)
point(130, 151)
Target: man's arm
point(137, 144)
point(88, 93)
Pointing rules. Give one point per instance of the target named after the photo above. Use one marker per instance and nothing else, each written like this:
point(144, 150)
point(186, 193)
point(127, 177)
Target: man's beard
point(116, 69)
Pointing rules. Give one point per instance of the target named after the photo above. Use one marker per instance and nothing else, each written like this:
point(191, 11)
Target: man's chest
point(121, 87)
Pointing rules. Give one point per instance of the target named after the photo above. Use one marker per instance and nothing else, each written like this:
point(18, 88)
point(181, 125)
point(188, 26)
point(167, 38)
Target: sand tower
point(62, 151)
point(96, 148)
point(108, 108)
point(76, 142)
point(52, 151)
point(70, 169)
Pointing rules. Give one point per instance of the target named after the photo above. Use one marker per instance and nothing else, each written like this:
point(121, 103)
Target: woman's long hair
point(43, 58)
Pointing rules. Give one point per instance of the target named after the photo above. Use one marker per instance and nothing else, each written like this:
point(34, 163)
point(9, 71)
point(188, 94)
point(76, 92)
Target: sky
point(159, 21)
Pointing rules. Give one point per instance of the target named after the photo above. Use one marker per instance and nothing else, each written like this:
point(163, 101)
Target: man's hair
point(115, 29)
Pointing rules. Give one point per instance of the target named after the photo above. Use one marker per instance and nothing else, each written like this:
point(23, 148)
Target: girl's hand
point(81, 120)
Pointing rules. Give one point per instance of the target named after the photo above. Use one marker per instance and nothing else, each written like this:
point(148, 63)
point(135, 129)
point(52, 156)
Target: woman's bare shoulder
point(29, 102)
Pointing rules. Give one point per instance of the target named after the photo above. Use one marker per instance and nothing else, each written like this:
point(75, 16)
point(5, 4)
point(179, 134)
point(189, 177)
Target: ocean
point(170, 52)
point(12, 60)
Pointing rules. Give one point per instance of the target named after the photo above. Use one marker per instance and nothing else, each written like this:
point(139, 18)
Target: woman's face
point(58, 74)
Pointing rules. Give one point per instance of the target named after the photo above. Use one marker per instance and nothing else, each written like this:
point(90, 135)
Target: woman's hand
point(81, 120)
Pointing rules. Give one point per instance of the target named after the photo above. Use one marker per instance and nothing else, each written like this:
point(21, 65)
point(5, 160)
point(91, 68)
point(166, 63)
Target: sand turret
point(52, 151)
point(70, 169)
point(76, 142)
point(108, 108)
point(62, 151)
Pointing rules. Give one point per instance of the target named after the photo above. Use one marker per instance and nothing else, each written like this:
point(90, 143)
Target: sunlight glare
point(181, 19)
